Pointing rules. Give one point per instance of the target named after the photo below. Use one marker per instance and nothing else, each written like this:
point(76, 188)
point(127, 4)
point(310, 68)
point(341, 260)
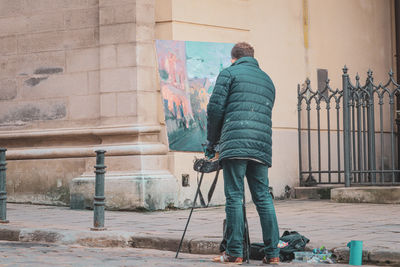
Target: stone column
point(137, 167)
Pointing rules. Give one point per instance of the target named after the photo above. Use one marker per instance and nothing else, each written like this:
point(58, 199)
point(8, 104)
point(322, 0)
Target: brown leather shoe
point(225, 258)
point(273, 261)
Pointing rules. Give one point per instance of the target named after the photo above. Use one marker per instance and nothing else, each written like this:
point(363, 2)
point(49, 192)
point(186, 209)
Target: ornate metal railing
point(358, 144)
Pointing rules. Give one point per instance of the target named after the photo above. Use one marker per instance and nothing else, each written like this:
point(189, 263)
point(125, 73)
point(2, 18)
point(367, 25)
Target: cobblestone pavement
point(36, 254)
point(323, 222)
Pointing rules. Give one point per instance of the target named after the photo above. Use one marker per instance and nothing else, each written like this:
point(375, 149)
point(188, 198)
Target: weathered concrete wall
point(292, 39)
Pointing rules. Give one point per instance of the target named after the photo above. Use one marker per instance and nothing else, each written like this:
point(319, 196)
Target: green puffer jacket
point(239, 112)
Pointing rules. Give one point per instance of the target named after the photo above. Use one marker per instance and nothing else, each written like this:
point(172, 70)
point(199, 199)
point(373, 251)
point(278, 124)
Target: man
point(239, 121)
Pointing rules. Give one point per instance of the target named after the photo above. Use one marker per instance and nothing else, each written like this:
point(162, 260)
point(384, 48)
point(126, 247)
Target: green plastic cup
point(355, 252)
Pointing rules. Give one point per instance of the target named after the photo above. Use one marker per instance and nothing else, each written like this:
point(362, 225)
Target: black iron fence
point(348, 134)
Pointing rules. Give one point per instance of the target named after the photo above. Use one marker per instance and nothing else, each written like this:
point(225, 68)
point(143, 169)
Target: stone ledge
point(78, 152)
point(100, 131)
point(372, 194)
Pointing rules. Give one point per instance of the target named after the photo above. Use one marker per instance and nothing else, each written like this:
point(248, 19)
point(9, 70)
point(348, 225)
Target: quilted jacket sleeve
point(216, 106)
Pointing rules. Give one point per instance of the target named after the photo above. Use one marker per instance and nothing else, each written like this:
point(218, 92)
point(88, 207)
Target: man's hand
point(209, 151)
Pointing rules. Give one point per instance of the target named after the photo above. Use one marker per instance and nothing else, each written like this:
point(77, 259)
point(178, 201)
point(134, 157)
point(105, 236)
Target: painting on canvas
point(188, 71)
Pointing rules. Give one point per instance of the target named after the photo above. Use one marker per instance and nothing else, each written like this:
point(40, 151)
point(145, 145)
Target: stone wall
point(76, 76)
point(44, 81)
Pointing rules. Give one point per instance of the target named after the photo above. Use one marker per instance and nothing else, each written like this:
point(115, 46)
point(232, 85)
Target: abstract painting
point(188, 71)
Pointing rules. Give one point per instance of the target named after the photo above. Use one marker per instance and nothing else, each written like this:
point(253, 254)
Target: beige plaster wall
point(292, 39)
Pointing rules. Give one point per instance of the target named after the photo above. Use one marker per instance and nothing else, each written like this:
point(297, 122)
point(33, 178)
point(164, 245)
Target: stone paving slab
point(323, 222)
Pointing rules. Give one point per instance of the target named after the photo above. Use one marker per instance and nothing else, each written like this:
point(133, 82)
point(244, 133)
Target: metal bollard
point(3, 191)
point(99, 198)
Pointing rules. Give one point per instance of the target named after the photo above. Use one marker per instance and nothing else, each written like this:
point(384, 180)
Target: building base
point(371, 194)
point(315, 192)
point(151, 190)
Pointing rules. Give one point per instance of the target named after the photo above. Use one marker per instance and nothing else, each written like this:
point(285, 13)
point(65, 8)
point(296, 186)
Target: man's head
point(241, 49)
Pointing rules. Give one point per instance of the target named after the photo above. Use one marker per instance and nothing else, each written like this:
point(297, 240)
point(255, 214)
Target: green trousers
point(257, 178)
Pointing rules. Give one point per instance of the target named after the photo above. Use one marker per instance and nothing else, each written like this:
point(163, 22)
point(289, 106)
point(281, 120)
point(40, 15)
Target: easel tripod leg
point(190, 215)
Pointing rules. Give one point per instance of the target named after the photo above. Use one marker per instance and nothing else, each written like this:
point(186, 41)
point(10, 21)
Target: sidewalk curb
point(108, 239)
point(374, 256)
point(126, 239)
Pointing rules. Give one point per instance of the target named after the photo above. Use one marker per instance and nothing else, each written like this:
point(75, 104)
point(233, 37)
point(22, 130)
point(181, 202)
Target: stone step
point(315, 192)
point(367, 194)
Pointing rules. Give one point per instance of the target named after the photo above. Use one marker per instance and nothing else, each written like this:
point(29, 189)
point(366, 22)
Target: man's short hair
point(242, 49)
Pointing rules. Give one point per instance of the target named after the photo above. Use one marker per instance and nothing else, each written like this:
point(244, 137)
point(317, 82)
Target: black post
point(371, 128)
point(299, 133)
point(99, 198)
point(346, 128)
point(3, 186)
